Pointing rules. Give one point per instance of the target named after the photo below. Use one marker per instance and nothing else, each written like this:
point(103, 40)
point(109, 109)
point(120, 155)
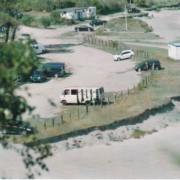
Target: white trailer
point(174, 50)
point(91, 12)
point(82, 95)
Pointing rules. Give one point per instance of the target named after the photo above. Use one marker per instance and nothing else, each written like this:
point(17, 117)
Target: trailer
point(82, 95)
point(174, 50)
point(91, 12)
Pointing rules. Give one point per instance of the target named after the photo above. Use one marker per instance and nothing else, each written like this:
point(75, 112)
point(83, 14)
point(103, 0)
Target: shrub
point(27, 20)
point(45, 21)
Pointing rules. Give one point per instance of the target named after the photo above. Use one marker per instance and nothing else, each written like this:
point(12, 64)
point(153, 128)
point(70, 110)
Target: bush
point(45, 21)
point(27, 20)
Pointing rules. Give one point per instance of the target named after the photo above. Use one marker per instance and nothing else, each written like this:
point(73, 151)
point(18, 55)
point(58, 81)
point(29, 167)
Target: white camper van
point(82, 95)
point(39, 48)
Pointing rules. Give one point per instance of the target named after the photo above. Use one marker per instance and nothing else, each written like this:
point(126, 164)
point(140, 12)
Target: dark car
point(96, 22)
point(16, 127)
point(39, 75)
point(54, 69)
point(148, 64)
point(133, 10)
point(33, 41)
point(83, 28)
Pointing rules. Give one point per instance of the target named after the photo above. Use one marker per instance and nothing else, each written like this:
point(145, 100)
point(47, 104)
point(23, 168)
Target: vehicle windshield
point(142, 63)
point(120, 53)
point(37, 72)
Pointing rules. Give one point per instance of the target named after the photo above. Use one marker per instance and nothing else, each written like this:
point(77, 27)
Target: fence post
point(146, 81)
point(62, 119)
point(45, 126)
point(114, 97)
point(86, 109)
point(108, 101)
point(139, 86)
point(143, 82)
point(78, 113)
point(101, 103)
point(94, 103)
point(69, 116)
point(53, 122)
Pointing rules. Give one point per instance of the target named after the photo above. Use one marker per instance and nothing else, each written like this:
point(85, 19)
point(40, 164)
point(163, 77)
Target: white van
point(39, 48)
point(82, 95)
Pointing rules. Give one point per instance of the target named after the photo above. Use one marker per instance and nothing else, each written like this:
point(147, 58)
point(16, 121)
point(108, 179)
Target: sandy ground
point(112, 153)
point(89, 67)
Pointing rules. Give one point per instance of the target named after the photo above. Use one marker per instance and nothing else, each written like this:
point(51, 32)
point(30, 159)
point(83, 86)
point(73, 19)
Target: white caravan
point(39, 48)
point(82, 95)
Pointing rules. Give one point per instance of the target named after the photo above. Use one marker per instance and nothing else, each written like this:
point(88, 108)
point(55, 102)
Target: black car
point(96, 22)
point(16, 127)
point(54, 69)
point(133, 10)
point(39, 75)
point(83, 28)
point(148, 64)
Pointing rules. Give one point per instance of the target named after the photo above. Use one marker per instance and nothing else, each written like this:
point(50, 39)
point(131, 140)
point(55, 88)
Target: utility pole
point(125, 18)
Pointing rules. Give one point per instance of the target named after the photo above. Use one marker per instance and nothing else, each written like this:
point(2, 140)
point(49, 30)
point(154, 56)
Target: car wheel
point(119, 59)
point(139, 69)
point(43, 51)
point(56, 75)
point(94, 25)
point(64, 102)
point(131, 56)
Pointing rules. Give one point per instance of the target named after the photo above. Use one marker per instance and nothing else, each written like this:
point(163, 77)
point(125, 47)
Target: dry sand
point(107, 154)
point(111, 154)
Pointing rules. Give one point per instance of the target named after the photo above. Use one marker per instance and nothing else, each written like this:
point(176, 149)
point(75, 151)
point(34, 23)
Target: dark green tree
point(18, 57)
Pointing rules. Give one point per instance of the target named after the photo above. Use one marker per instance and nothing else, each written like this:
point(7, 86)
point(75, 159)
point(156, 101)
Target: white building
point(78, 12)
point(174, 50)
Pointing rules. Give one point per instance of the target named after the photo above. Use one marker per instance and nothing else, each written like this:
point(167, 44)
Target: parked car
point(25, 36)
point(39, 75)
point(96, 22)
point(133, 10)
point(16, 127)
point(33, 41)
point(123, 55)
point(54, 69)
point(83, 28)
point(148, 64)
point(39, 48)
point(82, 95)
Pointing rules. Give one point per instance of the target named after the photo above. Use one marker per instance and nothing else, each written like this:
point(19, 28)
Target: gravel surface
point(89, 67)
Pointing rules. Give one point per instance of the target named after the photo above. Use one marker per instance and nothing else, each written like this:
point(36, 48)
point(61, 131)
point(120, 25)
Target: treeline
point(103, 6)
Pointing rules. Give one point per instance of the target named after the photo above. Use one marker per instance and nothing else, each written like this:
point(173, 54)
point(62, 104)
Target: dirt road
point(89, 67)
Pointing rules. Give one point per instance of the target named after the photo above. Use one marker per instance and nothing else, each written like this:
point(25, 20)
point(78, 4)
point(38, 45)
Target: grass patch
point(134, 25)
point(138, 133)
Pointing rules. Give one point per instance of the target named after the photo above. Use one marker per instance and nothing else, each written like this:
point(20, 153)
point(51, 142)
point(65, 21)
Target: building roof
point(177, 44)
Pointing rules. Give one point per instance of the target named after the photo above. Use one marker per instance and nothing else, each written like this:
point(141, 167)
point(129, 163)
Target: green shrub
point(45, 21)
point(27, 20)
point(138, 133)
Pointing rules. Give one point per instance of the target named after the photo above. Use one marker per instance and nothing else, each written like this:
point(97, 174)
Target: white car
point(25, 36)
point(123, 55)
point(39, 48)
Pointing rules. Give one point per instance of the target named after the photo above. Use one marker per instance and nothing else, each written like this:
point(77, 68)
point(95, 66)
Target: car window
point(67, 92)
point(74, 91)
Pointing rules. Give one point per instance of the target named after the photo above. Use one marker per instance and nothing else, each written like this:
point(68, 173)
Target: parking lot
point(86, 67)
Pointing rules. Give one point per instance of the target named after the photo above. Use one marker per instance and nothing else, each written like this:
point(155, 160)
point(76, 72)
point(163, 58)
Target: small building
point(78, 12)
point(174, 50)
